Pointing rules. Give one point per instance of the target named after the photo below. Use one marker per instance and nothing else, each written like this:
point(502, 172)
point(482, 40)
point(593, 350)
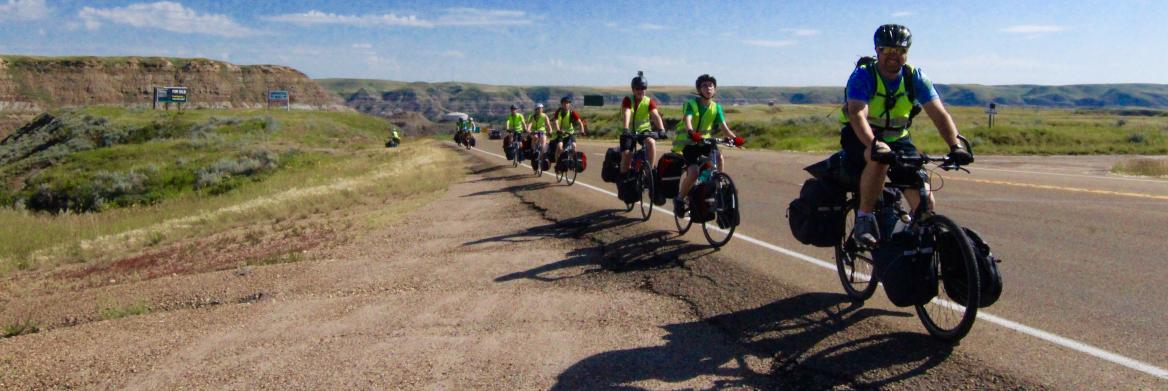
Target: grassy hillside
point(97, 185)
point(89, 160)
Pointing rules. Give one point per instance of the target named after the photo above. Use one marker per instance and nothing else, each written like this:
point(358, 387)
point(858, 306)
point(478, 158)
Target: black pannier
point(990, 279)
point(817, 216)
point(610, 171)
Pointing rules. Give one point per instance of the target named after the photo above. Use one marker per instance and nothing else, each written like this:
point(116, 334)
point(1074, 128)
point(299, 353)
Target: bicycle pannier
point(905, 270)
point(990, 281)
point(817, 216)
point(669, 170)
point(581, 162)
point(610, 170)
point(701, 198)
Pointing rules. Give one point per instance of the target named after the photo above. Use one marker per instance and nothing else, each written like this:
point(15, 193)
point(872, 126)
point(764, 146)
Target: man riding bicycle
point(709, 115)
point(566, 122)
point(883, 96)
point(538, 124)
point(516, 126)
point(635, 112)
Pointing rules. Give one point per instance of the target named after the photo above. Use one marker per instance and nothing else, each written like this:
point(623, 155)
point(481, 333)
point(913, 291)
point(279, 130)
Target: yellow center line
point(1074, 189)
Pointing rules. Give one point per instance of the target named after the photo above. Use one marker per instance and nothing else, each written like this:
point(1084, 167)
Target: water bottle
point(704, 176)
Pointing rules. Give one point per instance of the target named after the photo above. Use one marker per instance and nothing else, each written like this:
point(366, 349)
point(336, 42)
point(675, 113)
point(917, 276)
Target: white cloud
point(803, 32)
point(23, 10)
point(474, 17)
point(902, 14)
point(453, 54)
point(362, 46)
point(315, 17)
point(454, 17)
point(1033, 29)
point(650, 26)
point(164, 15)
point(770, 43)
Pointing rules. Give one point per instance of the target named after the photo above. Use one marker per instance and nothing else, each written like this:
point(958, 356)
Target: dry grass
point(1142, 167)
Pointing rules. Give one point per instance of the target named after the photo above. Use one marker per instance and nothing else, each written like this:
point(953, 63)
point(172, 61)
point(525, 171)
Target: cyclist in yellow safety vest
point(566, 122)
point(539, 124)
point(875, 122)
point(709, 116)
point(516, 126)
point(636, 111)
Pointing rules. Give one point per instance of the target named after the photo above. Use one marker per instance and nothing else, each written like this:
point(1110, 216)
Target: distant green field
point(1015, 131)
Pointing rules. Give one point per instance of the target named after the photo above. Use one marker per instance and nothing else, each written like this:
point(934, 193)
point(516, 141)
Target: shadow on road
point(799, 336)
point(648, 251)
point(511, 189)
point(571, 228)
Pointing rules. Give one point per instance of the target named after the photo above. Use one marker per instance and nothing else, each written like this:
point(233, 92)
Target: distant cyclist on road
point(709, 116)
point(516, 126)
point(636, 110)
point(882, 97)
point(566, 122)
point(538, 124)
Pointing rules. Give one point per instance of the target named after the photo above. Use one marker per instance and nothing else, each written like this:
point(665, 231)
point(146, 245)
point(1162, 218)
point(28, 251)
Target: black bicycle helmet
point(639, 82)
point(566, 99)
point(704, 78)
point(892, 35)
point(514, 107)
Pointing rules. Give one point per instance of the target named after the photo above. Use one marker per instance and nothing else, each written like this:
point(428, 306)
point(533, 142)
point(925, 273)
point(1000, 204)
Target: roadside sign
point(279, 98)
point(991, 111)
point(594, 100)
point(168, 95)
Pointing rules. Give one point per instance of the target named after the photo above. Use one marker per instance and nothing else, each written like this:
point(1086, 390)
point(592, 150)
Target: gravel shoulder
point(504, 282)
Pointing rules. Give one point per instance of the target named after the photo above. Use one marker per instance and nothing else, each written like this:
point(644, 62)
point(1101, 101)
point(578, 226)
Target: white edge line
point(985, 316)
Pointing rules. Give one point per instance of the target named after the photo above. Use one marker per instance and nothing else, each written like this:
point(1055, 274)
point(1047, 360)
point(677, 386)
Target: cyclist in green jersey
point(516, 126)
point(709, 116)
point(566, 121)
point(539, 124)
point(636, 111)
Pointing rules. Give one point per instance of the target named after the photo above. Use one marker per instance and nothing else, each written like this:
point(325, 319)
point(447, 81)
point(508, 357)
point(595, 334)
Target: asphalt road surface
point(1085, 303)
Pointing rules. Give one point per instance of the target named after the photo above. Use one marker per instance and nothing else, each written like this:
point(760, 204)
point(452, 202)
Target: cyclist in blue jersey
point(883, 96)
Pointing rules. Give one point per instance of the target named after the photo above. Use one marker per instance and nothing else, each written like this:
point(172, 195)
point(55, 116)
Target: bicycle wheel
point(559, 174)
point(725, 202)
point(943, 318)
point(514, 156)
point(571, 172)
point(645, 186)
point(537, 163)
point(855, 267)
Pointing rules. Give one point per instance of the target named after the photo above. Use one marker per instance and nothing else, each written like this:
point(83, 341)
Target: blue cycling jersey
point(861, 87)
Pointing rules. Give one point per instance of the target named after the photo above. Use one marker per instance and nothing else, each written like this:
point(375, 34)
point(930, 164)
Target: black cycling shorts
point(854, 152)
point(628, 142)
point(693, 152)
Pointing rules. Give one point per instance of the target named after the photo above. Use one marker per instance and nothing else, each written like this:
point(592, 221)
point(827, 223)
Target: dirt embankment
point(39, 83)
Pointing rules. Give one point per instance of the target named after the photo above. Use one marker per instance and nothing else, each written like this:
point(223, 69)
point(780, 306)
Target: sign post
point(278, 98)
point(168, 95)
point(990, 112)
point(594, 100)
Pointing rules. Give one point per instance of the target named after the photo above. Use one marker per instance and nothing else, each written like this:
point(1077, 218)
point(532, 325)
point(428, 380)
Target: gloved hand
point(960, 156)
point(882, 153)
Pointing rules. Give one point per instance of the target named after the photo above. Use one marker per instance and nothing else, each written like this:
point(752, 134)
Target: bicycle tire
point(645, 187)
point(725, 198)
point(941, 307)
point(571, 172)
point(855, 268)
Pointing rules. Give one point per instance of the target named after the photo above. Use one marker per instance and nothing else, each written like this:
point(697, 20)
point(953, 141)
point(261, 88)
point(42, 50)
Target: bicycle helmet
point(566, 99)
point(892, 35)
point(639, 82)
point(539, 105)
point(702, 79)
point(514, 107)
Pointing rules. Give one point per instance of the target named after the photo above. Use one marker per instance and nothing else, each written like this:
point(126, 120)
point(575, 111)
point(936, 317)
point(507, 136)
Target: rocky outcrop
point(38, 83)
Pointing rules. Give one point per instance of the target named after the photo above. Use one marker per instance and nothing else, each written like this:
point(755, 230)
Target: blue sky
point(766, 43)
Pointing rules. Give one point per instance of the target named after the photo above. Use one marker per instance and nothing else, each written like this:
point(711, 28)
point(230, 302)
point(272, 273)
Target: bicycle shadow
point(511, 189)
point(575, 227)
point(648, 251)
point(797, 334)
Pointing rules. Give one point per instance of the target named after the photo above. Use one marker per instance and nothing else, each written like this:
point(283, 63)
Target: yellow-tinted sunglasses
point(890, 50)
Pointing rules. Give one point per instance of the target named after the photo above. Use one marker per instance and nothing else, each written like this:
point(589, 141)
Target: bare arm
point(627, 115)
point(727, 131)
point(942, 120)
point(657, 118)
point(688, 122)
point(858, 117)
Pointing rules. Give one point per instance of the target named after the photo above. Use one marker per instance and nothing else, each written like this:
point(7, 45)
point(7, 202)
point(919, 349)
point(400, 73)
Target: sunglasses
point(890, 50)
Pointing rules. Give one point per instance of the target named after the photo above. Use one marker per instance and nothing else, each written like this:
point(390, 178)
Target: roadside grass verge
point(1142, 167)
point(121, 311)
point(1016, 131)
point(19, 328)
point(365, 178)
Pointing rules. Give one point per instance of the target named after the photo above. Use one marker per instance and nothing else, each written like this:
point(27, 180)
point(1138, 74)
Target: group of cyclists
point(464, 131)
point(882, 97)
